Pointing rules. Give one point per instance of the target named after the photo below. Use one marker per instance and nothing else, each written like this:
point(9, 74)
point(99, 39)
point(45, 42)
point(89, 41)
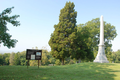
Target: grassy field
point(81, 71)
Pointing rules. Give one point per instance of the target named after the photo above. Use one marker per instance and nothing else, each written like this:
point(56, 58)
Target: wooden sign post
point(27, 64)
point(32, 54)
point(38, 63)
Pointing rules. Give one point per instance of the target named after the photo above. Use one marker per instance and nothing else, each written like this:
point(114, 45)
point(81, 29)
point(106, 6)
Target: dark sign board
point(33, 54)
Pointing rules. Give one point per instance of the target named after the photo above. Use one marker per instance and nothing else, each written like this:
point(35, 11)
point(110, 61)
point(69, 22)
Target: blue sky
point(38, 17)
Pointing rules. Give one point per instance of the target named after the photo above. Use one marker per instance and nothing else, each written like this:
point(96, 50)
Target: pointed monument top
point(101, 16)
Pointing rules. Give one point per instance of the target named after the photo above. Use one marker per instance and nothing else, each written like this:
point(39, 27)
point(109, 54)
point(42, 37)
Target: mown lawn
point(81, 71)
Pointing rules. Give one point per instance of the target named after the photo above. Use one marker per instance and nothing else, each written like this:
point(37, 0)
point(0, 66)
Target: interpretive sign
point(33, 54)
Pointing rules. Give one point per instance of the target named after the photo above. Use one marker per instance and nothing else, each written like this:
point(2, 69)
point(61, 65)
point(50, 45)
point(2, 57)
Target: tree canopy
point(63, 38)
point(83, 49)
point(5, 37)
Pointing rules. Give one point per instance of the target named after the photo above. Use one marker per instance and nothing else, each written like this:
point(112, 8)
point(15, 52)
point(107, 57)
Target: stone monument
point(101, 57)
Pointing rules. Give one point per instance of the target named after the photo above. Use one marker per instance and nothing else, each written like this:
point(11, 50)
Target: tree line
point(19, 58)
point(68, 42)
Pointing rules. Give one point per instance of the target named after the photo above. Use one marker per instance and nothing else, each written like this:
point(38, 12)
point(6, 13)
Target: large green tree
point(83, 49)
point(63, 38)
point(94, 34)
point(5, 37)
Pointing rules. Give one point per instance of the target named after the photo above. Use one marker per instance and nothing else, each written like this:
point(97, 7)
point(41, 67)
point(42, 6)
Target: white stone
point(101, 31)
point(101, 57)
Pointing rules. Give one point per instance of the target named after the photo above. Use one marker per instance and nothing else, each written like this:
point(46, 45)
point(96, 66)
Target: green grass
point(81, 71)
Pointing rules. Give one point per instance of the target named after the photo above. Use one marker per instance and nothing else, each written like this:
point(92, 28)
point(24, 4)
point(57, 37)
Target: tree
point(44, 57)
point(6, 58)
point(57, 62)
point(16, 59)
point(5, 37)
point(83, 49)
point(23, 61)
point(33, 62)
point(1, 59)
point(22, 57)
point(94, 30)
point(63, 38)
point(11, 59)
point(116, 56)
point(109, 54)
point(52, 60)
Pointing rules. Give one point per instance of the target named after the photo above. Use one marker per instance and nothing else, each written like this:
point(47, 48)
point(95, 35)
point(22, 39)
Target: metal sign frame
point(33, 54)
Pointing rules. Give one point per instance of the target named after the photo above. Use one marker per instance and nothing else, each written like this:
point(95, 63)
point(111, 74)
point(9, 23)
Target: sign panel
point(38, 53)
point(33, 57)
point(33, 54)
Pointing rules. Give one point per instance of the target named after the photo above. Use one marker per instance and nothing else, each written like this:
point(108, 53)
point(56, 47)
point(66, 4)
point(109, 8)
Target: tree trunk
point(62, 61)
point(79, 60)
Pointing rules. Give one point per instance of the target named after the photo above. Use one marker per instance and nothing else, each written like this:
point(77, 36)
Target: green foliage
point(11, 59)
point(45, 57)
point(72, 61)
point(6, 58)
point(1, 59)
point(63, 38)
point(116, 56)
point(93, 27)
point(33, 62)
point(109, 54)
point(5, 37)
point(16, 59)
point(57, 62)
point(22, 58)
point(23, 61)
point(52, 60)
point(83, 46)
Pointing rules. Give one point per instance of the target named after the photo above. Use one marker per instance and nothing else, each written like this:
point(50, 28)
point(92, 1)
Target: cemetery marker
point(101, 57)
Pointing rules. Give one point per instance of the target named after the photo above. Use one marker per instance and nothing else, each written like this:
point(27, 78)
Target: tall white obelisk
point(101, 57)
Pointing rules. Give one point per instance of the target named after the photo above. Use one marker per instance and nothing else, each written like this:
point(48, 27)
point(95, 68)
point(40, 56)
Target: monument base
point(102, 61)
point(101, 57)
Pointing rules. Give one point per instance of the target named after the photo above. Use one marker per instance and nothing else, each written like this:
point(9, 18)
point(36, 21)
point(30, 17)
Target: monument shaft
point(101, 31)
point(101, 57)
